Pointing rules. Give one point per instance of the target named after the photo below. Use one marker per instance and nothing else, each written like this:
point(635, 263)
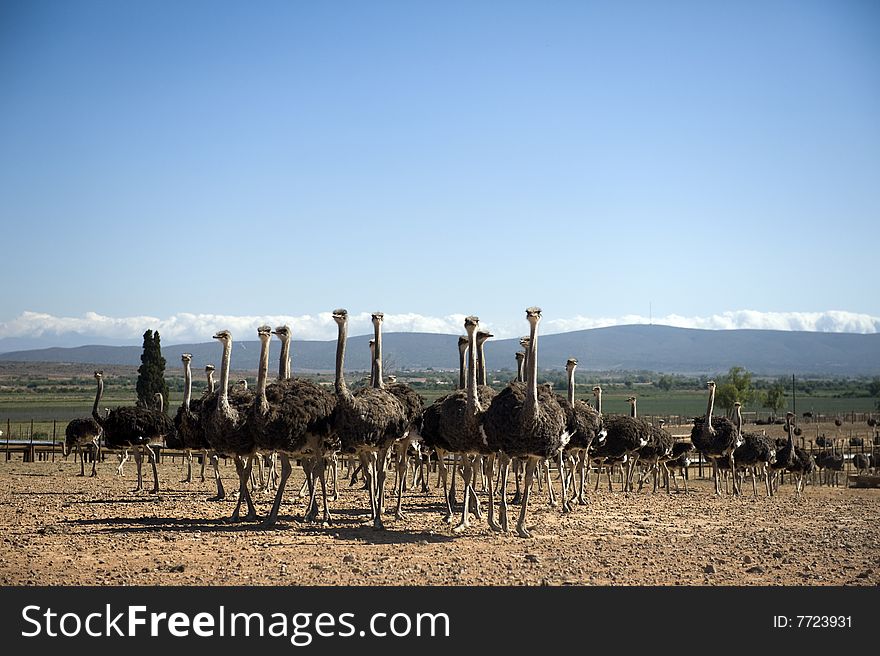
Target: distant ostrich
point(413, 407)
point(517, 463)
point(457, 418)
point(188, 427)
point(716, 438)
point(520, 358)
point(659, 447)
point(791, 458)
point(367, 422)
point(624, 437)
point(83, 432)
point(133, 427)
point(525, 421)
point(679, 458)
point(290, 417)
point(861, 462)
point(757, 452)
point(585, 426)
point(222, 417)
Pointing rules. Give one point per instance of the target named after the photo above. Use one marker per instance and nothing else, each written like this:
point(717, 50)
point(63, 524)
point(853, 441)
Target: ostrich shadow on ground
point(357, 530)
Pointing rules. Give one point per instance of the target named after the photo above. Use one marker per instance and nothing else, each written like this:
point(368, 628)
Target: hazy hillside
point(653, 348)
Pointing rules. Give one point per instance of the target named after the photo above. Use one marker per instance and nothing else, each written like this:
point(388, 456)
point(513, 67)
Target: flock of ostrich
point(475, 433)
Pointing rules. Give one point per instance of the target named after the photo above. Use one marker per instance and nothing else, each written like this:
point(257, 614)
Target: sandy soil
point(62, 529)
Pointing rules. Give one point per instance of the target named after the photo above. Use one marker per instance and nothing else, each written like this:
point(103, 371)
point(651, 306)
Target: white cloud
point(187, 327)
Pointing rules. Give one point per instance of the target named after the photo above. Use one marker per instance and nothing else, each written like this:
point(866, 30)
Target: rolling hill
point(627, 348)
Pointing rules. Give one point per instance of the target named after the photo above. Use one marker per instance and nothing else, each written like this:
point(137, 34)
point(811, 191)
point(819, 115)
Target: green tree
point(874, 387)
point(735, 386)
point(774, 398)
point(151, 373)
point(665, 383)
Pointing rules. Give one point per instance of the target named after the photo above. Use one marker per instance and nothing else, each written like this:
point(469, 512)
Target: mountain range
point(618, 348)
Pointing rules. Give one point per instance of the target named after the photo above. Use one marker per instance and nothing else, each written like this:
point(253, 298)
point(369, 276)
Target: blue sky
point(163, 160)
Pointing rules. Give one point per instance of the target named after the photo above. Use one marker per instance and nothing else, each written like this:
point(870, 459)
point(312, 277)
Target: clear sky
point(437, 159)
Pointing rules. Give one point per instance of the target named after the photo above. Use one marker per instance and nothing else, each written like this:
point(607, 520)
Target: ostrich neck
point(223, 400)
point(531, 400)
point(373, 365)
point(98, 394)
point(481, 365)
point(210, 381)
point(599, 402)
point(284, 363)
point(462, 381)
point(341, 388)
point(632, 411)
point(473, 405)
point(187, 384)
point(710, 407)
point(519, 369)
point(377, 329)
point(571, 386)
point(263, 375)
point(739, 421)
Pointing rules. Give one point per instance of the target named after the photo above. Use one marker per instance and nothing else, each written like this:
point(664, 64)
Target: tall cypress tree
point(151, 373)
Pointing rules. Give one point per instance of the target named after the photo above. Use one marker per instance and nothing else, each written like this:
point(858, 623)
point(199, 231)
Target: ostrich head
point(99, 375)
point(571, 364)
point(209, 368)
point(470, 323)
point(519, 355)
point(223, 336)
point(186, 358)
point(264, 332)
point(524, 342)
point(377, 317)
point(482, 336)
point(462, 343)
point(533, 315)
point(340, 316)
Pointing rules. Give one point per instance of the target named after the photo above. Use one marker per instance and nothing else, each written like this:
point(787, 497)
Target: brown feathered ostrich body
point(585, 426)
point(367, 422)
point(222, 417)
point(658, 448)
point(525, 421)
point(624, 437)
point(133, 427)
point(716, 438)
point(756, 453)
point(291, 417)
point(457, 418)
point(84, 432)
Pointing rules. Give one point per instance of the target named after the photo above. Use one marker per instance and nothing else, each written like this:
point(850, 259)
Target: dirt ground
point(59, 529)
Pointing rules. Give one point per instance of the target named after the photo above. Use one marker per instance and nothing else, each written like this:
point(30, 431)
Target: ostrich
point(716, 438)
point(83, 432)
point(518, 462)
point(456, 419)
point(520, 358)
point(584, 425)
point(413, 407)
point(290, 417)
point(133, 427)
point(678, 458)
point(187, 423)
point(861, 462)
point(222, 417)
point(659, 446)
point(755, 452)
point(623, 438)
point(367, 422)
point(525, 421)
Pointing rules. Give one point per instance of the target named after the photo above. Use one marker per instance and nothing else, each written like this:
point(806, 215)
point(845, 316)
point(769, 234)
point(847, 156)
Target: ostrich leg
point(82, 460)
point(380, 479)
point(502, 508)
point(138, 461)
point(566, 504)
point(517, 474)
point(402, 464)
point(466, 474)
point(204, 463)
point(96, 458)
point(152, 457)
point(531, 464)
point(334, 469)
point(317, 463)
point(546, 474)
point(322, 466)
point(442, 476)
point(736, 490)
point(221, 493)
point(279, 493)
point(455, 457)
point(582, 469)
point(490, 473)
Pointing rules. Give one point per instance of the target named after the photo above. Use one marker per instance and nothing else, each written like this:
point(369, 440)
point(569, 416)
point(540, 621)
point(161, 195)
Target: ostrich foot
point(78, 475)
point(377, 524)
point(461, 527)
point(502, 516)
point(268, 523)
point(517, 498)
point(566, 507)
point(447, 518)
point(495, 526)
point(93, 475)
point(399, 515)
point(217, 497)
point(522, 532)
point(555, 504)
point(581, 501)
point(425, 489)
point(155, 490)
point(252, 517)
